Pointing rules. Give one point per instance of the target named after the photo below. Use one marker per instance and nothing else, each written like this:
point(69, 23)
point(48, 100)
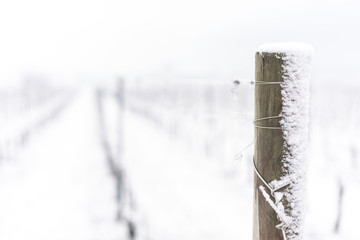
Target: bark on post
point(268, 142)
point(281, 125)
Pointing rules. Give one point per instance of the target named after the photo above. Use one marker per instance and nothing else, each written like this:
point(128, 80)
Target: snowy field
point(58, 186)
point(183, 176)
point(120, 120)
point(333, 156)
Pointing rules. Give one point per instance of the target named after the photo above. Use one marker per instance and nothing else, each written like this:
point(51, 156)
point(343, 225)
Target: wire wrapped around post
point(281, 133)
point(268, 145)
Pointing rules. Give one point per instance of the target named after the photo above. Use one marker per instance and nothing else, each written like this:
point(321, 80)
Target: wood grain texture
point(269, 143)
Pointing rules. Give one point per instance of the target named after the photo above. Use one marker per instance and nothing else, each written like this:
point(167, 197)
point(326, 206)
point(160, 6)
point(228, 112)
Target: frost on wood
point(278, 208)
point(287, 48)
point(296, 59)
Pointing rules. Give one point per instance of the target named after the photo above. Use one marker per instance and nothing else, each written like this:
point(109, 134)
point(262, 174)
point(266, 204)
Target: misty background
point(120, 119)
point(69, 40)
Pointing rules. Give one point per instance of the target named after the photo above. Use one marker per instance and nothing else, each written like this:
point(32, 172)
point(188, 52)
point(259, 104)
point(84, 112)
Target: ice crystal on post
point(296, 59)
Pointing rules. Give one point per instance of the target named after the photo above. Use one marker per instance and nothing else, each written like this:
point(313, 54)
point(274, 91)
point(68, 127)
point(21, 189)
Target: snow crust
point(287, 47)
point(296, 58)
point(294, 124)
point(278, 208)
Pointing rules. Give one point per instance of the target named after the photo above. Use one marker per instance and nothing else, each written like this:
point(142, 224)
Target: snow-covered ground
point(170, 154)
point(181, 195)
point(333, 162)
point(180, 167)
point(60, 187)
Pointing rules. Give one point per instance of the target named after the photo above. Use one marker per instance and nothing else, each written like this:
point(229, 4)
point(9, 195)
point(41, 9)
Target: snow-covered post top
point(281, 134)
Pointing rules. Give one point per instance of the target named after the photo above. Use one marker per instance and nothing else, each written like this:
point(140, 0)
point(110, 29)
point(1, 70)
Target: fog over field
point(134, 119)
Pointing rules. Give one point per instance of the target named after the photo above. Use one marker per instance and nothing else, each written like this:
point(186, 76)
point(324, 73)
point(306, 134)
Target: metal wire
point(274, 128)
point(280, 226)
point(264, 83)
point(266, 118)
point(239, 155)
point(262, 179)
point(272, 190)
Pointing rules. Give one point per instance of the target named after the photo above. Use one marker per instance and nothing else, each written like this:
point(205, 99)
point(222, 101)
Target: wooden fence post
point(281, 95)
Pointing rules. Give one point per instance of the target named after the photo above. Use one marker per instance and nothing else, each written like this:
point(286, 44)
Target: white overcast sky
point(193, 37)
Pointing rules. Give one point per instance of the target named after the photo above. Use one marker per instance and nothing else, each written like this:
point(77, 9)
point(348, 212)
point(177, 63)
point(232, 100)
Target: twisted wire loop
point(252, 82)
point(273, 128)
point(266, 118)
point(264, 83)
point(239, 155)
point(281, 225)
point(272, 190)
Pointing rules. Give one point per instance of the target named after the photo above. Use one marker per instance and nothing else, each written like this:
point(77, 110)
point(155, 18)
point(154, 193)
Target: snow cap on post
point(287, 47)
point(295, 61)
